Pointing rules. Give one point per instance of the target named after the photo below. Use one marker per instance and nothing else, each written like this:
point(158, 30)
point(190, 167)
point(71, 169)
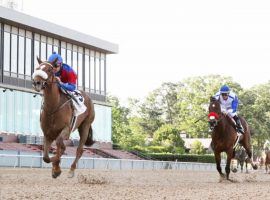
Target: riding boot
point(239, 126)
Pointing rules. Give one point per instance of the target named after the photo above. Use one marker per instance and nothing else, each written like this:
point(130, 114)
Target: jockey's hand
point(58, 79)
point(225, 112)
point(230, 111)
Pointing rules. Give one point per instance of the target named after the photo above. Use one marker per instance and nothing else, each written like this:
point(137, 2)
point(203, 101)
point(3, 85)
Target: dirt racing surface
point(155, 184)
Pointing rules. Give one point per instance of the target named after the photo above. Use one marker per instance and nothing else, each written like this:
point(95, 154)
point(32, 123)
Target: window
point(80, 70)
point(63, 54)
point(69, 54)
point(14, 43)
point(6, 51)
point(97, 72)
point(49, 47)
point(63, 51)
point(28, 55)
point(21, 55)
point(75, 59)
point(87, 70)
point(56, 46)
point(102, 73)
point(92, 72)
point(43, 52)
point(37, 48)
point(28, 61)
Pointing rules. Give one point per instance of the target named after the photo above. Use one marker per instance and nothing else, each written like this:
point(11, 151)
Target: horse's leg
point(247, 147)
point(242, 166)
point(56, 170)
point(228, 163)
point(218, 161)
point(46, 145)
point(83, 131)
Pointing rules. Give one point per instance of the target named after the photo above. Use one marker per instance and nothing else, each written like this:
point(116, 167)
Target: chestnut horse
point(56, 116)
point(267, 161)
point(224, 136)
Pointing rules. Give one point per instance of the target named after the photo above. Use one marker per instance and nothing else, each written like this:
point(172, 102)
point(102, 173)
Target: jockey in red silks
point(229, 104)
point(66, 76)
point(67, 80)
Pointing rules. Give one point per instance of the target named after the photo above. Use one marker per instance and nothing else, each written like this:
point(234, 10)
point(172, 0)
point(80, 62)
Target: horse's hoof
point(46, 159)
point(56, 174)
point(255, 167)
point(234, 170)
point(71, 174)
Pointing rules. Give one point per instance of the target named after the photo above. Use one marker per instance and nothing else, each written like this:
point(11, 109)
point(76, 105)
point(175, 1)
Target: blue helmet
point(54, 56)
point(225, 89)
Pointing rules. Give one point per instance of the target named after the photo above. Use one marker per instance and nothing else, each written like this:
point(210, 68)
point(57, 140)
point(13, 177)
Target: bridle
point(39, 72)
point(48, 79)
point(214, 118)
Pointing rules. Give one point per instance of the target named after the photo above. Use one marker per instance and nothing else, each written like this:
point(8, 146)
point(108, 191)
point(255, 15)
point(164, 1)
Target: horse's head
point(42, 74)
point(214, 112)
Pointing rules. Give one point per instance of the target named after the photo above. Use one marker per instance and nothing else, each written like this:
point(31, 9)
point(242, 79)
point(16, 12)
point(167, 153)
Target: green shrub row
point(184, 157)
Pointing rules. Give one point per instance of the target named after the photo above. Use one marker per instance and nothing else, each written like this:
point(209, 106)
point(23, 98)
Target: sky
point(168, 41)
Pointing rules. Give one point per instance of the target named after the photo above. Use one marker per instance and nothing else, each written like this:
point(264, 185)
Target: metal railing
point(36, 161)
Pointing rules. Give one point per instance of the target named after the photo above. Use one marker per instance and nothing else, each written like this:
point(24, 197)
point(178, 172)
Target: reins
point(60, 106)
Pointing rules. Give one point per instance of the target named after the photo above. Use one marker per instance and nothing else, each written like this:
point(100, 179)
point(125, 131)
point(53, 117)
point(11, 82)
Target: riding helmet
point(225, 89)
point(54, 56)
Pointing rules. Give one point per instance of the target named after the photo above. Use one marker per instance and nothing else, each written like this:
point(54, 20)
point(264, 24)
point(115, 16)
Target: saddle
point(77, 104)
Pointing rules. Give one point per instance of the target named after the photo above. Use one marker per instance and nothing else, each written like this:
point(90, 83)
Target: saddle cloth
point(77, 101)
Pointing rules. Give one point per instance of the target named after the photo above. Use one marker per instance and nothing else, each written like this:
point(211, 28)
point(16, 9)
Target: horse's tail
point(90, 140)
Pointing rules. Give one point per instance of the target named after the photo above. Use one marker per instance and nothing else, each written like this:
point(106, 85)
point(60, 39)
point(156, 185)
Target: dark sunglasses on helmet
point(56, 65)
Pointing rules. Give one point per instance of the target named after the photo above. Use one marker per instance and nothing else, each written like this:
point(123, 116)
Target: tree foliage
point(173, 108)
point(197, 148)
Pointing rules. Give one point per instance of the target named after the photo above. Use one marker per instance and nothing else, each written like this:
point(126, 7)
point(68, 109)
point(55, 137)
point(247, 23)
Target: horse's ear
point(39, 61)
point(212, 98)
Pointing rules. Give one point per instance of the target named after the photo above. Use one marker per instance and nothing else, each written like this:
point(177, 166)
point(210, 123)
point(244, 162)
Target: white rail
point(36, 161)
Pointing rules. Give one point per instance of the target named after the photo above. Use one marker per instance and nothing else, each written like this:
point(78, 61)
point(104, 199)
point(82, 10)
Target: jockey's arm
point(71, 84)
point(68, 86)
point(235, 104)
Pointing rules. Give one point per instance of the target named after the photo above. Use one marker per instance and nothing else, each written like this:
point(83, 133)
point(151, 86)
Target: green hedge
point(184, 157)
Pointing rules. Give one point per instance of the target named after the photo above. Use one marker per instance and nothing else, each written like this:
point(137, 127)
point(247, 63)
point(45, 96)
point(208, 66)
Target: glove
point(224, 111)
point(229, 111)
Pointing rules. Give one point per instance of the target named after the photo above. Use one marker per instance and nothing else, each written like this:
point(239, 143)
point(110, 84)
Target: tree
point(169, 136)
point(255, 108)
point(193, 102)
point(120, 123)
point(197, 148)
point(151, 114)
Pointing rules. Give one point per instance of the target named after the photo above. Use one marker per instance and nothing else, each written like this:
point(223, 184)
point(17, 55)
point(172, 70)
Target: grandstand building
point(22, 39)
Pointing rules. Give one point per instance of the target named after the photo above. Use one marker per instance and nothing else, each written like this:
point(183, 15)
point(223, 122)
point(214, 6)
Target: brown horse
point(224, 136)
point(56, 117)
point(267, 161)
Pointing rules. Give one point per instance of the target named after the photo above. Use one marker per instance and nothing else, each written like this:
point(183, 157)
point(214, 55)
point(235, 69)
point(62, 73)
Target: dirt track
point(162, 184)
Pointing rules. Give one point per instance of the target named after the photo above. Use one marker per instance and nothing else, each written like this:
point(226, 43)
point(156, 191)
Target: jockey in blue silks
point(229, 104)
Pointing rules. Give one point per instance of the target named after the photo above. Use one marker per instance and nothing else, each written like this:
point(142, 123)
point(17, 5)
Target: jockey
point(229, 104)
point(67, 79)
point(65, 74)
